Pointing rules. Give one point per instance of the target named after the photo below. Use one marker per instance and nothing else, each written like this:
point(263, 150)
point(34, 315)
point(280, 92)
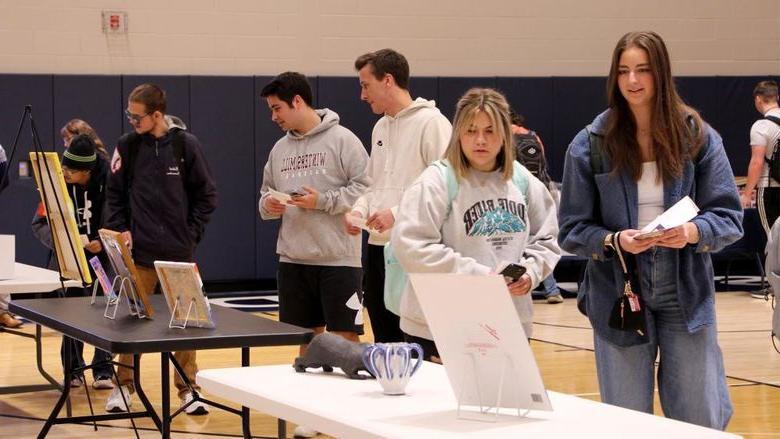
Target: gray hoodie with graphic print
point(332, 160)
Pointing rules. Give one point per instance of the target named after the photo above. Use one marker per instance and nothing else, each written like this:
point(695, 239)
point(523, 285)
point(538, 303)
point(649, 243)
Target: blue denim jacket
point(593, 206)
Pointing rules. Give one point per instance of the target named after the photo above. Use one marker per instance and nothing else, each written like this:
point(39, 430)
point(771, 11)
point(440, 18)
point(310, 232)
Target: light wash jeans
point(550, 286)
point(691, 378)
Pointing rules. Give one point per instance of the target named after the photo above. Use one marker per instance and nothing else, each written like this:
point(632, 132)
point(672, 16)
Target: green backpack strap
point(595, 142)
point(449, 176)
point(520, 179)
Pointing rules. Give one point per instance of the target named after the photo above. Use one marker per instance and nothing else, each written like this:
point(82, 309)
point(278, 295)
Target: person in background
point(529, 151)
point(635, 160)
point(74, 127)
point(410, 135)
point(6, 319)
point(160, 196)
point(493, 217)
point(764, 135)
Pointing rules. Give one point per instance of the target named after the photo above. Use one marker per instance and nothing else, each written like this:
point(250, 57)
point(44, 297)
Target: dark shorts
point(316, 295)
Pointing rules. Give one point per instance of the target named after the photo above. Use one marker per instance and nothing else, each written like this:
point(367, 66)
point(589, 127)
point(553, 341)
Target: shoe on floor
point(303, 431)
point(197, 408)
point(7, 320)
point(115, 403)
point(555, 298)
point(76, 382)
point(102, 383)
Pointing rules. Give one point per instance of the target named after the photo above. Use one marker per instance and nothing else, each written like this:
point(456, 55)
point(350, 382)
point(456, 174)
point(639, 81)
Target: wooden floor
point(562, 345)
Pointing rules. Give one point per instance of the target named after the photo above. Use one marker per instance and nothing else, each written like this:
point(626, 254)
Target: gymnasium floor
point(562, 345)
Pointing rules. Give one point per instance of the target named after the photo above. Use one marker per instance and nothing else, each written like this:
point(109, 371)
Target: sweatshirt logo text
point(304, 162)
point(494, 217)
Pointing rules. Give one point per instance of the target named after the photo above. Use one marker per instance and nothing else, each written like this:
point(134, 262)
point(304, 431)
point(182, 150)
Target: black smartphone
point(513, 272)
point(297, 193)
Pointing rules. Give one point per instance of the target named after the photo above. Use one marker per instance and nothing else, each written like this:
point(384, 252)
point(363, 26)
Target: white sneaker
point(102, 383)
point(196, 408)
point(303, 431)
point(115, 403)
point(76, 382)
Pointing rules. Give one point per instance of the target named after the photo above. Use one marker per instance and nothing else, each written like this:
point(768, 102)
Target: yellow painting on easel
point(62, 219)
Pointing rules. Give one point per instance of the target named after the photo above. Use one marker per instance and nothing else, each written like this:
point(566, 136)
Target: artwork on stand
point(123, 265)
point(103, 279)
point(58, 206)
point(183, 290)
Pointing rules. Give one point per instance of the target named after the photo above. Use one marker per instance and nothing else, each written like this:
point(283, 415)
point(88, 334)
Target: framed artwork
point(183, 290)
point(68, 247)
point(123, 265)
point(103, 279)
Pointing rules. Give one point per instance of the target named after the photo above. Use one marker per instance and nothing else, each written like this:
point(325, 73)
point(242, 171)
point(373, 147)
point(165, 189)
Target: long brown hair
point(495, 106)
point(673, 140)
point(74, 127)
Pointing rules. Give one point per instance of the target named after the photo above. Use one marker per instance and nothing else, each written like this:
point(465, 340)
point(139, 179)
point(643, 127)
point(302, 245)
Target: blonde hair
point(74, 127)
point(495, 106)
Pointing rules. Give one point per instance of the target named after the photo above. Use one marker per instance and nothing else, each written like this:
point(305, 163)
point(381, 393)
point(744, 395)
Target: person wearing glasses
point(160, 196)
point(85, 171)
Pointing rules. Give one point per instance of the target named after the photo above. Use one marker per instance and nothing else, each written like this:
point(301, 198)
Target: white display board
point(481, 341)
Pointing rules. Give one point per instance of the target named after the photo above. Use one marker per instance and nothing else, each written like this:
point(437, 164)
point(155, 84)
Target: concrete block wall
point(440, 37)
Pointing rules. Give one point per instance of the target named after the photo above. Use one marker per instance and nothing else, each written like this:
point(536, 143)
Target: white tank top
point(651, 194)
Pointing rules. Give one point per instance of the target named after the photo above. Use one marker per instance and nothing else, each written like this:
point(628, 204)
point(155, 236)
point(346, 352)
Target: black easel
point(44, 178)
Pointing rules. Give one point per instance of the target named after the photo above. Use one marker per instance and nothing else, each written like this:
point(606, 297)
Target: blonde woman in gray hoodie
point(500, 212)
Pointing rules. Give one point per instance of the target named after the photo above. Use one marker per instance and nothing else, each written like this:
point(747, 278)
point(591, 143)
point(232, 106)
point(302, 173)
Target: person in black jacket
point(160, 196)
point(85, 174)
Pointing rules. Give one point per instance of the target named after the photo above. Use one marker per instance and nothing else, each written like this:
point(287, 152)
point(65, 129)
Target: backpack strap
point(774, 119)
point(595, 142)
point(520, 179)
point(132, 141)
point(449, 176)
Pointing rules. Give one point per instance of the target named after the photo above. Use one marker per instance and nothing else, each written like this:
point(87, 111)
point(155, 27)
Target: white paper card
point(677, 215)
point(481, 342)
point(84, 240)
point(360, 222)
point(280, 196)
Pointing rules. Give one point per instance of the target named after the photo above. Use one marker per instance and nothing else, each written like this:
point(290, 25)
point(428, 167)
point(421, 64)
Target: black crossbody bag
point(627, 313)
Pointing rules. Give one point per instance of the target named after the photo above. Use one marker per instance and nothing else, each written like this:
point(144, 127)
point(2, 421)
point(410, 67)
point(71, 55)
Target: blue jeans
point(550, 286)
point(691, 378)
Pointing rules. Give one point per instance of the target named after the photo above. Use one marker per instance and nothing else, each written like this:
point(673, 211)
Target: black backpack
point(774, 162)
point(530, 154)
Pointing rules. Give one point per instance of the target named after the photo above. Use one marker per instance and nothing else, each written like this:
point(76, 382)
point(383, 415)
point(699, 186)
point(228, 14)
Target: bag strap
point(627, 290)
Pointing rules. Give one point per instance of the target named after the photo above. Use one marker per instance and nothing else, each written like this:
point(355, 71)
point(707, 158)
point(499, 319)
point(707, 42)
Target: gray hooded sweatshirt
point(332, 160)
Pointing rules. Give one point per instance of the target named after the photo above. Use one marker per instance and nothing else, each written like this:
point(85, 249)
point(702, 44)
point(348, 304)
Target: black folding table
point(76, 318)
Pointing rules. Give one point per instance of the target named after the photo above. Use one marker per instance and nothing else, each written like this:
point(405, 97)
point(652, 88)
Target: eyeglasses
point(69, 171)
point(135, 118)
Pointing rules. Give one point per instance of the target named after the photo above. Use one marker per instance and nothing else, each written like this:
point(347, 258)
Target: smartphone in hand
point(512, 272)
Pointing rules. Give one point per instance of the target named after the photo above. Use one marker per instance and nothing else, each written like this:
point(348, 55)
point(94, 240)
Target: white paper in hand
point(677, 215)
point(360, 222)
point(279, 196)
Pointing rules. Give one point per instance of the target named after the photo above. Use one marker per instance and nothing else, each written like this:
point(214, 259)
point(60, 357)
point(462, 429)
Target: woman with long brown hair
point(649, 297)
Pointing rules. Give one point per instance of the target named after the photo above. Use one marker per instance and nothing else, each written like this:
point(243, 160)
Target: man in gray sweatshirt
point(321, 166)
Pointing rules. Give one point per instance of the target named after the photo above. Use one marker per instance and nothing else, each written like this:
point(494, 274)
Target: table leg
point(245, 410)
point(42, 371)
point(140, 391)
point(64, 396)
point(281, 428)
point(166, 395)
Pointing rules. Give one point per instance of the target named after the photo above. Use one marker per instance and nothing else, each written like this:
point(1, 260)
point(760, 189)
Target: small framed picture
point(103, 279)
point(183, 290)
point(123, 264)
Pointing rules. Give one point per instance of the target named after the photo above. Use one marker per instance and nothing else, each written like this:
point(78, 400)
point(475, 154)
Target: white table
point(344, 408)
point(28, 280)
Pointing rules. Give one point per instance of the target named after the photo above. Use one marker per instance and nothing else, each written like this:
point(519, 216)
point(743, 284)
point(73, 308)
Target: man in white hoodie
point(411, 135)
point(323, 166)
